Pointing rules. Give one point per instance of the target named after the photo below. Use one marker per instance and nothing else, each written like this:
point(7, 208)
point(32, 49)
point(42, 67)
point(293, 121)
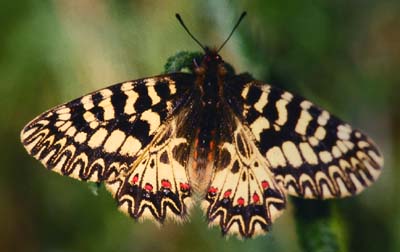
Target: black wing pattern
point(243, 197)
point(139, 137)
point(313, 153)
point(158, 183)
point(112, 135)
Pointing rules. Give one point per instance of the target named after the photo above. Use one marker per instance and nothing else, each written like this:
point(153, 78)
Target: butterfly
point(236, 145)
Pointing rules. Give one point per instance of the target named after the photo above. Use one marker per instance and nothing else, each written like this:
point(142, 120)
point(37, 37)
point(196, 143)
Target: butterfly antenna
point(233, 30)
point(187, 30)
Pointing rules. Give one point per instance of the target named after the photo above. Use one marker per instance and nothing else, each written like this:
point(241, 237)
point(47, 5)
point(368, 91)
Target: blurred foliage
point(180, 62)
point(315, 229)
point(343, 55)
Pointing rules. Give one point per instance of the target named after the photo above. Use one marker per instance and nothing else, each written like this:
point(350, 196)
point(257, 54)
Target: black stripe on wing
point(97, 135)
point(315, 154)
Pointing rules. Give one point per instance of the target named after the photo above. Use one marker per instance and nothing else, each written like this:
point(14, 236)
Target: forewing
point(100, 135)
point(243, 197)
point(315, 154)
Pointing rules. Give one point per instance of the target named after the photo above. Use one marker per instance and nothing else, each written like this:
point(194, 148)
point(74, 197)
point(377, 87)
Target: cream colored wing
point(315, 154)
point(243, 198)
point(96, 136)
point(156, 186)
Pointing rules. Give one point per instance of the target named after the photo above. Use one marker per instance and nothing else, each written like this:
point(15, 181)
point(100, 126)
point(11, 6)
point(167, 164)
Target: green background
point(342, 55)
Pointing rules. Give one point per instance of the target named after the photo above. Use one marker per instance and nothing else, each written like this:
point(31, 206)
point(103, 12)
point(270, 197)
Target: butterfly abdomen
point(209, 84)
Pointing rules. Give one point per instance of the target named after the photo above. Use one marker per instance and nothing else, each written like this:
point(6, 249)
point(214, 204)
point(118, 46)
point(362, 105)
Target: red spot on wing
point(148, 187)
point(264, 184)
point(165, 183)
point(227, 193)
point(135, 179)
point(184, 186)
point(240, 201)
point(213, 190)
point(256, 198)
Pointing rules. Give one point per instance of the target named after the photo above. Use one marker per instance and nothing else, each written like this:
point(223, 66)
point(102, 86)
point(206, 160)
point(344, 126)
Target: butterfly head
point(211, 55)
point(212, 63)
point(211, 58)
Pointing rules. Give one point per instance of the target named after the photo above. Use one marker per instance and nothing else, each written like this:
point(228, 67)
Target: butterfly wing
point(158, 184)
point(244, 197)
point(315, 154)
point(113, 135)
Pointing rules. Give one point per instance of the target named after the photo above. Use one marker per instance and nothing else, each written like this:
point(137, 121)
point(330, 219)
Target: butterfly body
point(210, 74)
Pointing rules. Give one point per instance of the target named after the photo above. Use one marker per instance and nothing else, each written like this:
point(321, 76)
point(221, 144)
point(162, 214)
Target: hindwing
point(243, 197)
point(157, 185)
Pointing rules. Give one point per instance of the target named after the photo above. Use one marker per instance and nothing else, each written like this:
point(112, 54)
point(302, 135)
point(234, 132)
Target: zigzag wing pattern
point(315, 154)
point(157, 186)
point(100, 135)
point(243, 197)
